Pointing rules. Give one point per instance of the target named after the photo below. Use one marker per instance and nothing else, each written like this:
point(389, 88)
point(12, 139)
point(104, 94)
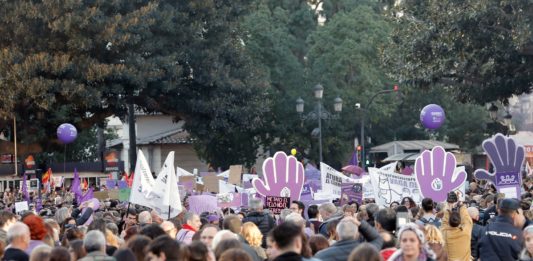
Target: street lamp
point(500, 126)
point(365, 110)
point(319, 113)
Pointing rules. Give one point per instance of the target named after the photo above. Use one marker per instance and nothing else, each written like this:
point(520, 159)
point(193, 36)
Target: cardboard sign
point(277, 204)
point(235, 173)
point(101, 195)
point(113, 193)
point(211, 183)
point(283, 176)
point(507, 158)
point(351, 192)
point(436, 174)
point(21, 206)
point(124, 194)
point(188, 182)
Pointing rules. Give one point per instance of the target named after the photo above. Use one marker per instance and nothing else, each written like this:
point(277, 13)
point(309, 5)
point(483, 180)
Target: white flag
point(332, 180)
point(165, 196)
point(143, 182)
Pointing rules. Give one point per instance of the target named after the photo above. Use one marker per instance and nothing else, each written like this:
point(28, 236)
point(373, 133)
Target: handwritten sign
point(277, 204)
point(351, 192)
point(21, 206)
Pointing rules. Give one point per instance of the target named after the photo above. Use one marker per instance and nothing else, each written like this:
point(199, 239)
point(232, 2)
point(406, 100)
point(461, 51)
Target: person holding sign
point(456, 229)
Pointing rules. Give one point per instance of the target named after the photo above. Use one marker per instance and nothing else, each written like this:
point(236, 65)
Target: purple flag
point(39, 203)
point(75, 187)
point(353, 160)
point(25, 190)
point(88, 195)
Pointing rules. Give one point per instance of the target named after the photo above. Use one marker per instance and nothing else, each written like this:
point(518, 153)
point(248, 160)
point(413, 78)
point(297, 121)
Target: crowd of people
point(484, 226)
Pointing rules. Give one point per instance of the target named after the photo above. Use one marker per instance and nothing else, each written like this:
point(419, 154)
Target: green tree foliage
point(480, 51)
point(81, 61)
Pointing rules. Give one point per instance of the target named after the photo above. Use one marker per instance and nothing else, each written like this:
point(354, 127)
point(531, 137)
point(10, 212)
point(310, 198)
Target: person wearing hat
point(502, 240)
point(456, 229)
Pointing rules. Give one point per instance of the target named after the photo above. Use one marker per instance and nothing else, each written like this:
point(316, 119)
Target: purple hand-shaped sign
point(283, 176)
point(436, 174)
point(507, 159)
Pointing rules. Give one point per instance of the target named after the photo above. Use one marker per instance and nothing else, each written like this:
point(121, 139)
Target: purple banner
point(122, 184)
point(202, 203)
point(351, 192)
point(110, 183)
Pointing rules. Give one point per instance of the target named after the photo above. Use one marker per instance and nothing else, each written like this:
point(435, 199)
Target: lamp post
point(365, 110)
point(500, 126)
point(320, 113)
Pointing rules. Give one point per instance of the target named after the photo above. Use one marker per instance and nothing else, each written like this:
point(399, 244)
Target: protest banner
point(124, 194)
point(277, 204)
point(202, 203)
point(351, 192)
point(235, 173)
point(283, 176)
point(188, 182)
point(390, 186)
point(312, 182)
point(331, 181)
point(225, 200)
point(21, 206)
point(507, 159)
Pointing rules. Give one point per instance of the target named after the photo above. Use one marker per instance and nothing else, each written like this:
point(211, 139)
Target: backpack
point(432, 221)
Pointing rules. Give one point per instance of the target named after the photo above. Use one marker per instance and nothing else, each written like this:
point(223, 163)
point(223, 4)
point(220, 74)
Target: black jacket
point(501, 241)
point(477, 233)
point(263, 221)
point(81, 219)
point(290, 256)
point(341, 250)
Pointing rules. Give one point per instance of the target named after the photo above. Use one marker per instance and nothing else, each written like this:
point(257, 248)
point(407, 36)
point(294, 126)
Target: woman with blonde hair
point(435, 241)
point(254, 237)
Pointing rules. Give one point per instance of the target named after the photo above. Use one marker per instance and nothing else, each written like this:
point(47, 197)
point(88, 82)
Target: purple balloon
point(432, 116)
point(67, 133)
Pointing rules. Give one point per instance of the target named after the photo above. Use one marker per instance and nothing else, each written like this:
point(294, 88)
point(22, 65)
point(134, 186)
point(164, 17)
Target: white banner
point(332, 180)
point(390, 186)
point(165, 196)
point(143, 182)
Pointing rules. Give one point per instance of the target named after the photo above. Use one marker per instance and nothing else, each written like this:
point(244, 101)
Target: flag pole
point(169, 208)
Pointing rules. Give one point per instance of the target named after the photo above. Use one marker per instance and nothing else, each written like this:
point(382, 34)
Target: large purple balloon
point(67, 133)
point(432, 116)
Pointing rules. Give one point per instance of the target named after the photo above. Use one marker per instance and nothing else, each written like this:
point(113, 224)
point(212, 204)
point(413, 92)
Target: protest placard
point(235, 173)
point(332, 180)
point(21, 206)
point(124, 194)
point(101, 195)
point(277, 204)
point(113, 193)
point(351, 192)
point(225, 200)
point(211, 183)
point(202, 203)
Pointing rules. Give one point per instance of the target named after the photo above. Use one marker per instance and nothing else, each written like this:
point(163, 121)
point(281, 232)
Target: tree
point(480, 51)
point(82, 61)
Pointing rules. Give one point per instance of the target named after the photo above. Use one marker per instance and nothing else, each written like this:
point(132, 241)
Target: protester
point(189, 229)
point(207, 234)
point(318, 242)
point(436, 243)
point(145, 218)
point(365, 252)
point(262, 220)
point(428, 216)
point(225, 245)
point(297, 207)
point(235, 254)
point(139, 246)
point(385, 220)
point(412, 245)
point(389, 245)
point(348, 231)
point(287, 242)
point(164, 248)
point(95, 245)
point(527, 252)
point(329, 213)
point(254, 238)
point(41, 252)
point(502, 240)
point(312, 213)
point(18, 236)
point(169, 229)
point(477, 232)
point(37, 231)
